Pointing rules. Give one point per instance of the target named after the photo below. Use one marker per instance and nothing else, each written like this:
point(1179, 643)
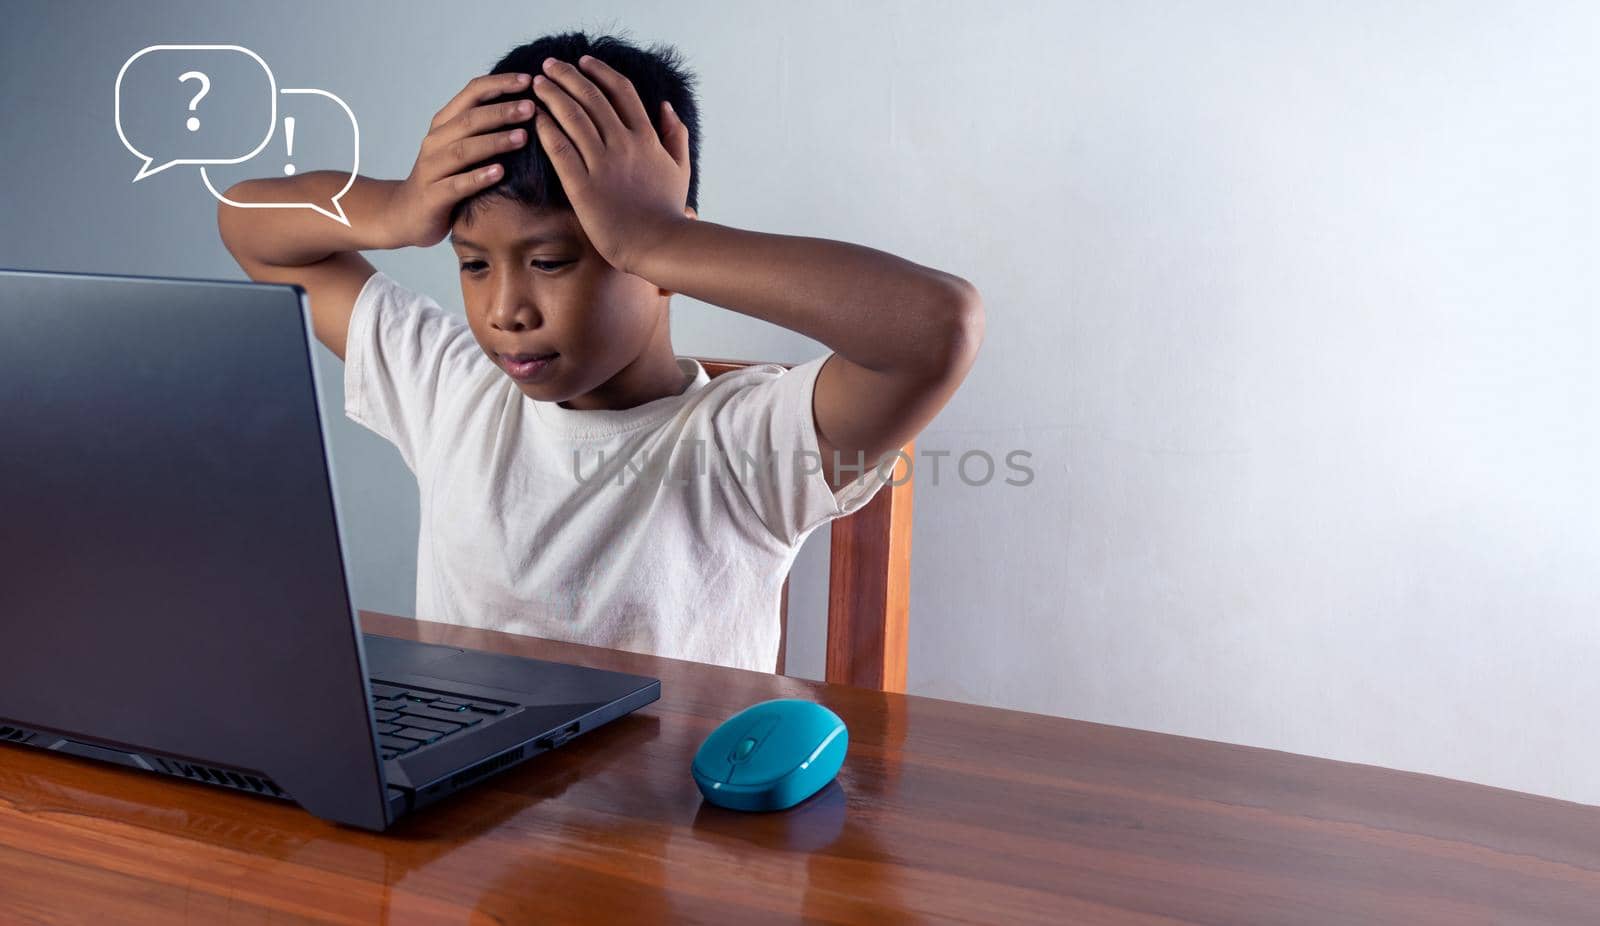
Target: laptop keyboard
point(410, 718)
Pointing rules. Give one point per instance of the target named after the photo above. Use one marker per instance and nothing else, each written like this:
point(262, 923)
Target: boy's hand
point(626, 185)
point(419, 208)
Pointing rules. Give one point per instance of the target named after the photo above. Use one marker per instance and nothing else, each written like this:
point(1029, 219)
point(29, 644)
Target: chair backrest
point(869, 580)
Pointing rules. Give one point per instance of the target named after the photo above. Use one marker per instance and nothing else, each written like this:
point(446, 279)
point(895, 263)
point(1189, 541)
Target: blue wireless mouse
point(771, 756)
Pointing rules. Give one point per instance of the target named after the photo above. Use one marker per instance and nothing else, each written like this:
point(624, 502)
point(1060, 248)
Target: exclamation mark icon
point(288, 133)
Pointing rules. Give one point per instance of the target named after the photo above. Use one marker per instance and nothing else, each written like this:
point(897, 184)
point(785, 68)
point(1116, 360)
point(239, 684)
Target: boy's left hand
point(626, 185)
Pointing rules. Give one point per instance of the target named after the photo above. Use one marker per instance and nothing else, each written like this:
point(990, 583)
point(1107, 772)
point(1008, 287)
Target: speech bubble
point(334, 210)
point(182, 78)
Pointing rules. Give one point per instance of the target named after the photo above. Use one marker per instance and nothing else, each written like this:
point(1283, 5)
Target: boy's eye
point(476, 266)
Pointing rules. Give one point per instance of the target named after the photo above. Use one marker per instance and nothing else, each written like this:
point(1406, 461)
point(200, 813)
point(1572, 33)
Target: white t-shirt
point(524, 530)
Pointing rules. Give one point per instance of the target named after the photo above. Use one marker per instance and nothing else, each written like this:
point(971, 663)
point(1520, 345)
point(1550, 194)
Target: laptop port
point(556, 739)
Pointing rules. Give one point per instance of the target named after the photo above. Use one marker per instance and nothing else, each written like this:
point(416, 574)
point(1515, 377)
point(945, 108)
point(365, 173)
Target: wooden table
point(943, 811)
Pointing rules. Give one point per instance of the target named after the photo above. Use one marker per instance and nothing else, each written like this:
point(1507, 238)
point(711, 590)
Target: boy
point(529, 425)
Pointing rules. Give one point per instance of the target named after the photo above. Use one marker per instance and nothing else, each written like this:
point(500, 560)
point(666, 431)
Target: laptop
point(174, 594)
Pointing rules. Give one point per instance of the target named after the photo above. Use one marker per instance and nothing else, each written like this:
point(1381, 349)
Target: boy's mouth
point(527, 367)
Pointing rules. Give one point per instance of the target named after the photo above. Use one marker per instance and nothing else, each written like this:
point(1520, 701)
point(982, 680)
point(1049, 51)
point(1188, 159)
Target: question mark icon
point(205, 87)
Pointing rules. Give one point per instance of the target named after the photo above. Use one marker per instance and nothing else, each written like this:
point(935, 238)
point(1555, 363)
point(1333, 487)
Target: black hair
point(657, 74)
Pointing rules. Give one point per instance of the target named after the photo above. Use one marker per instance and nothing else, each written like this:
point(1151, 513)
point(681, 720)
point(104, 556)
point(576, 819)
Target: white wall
point(1292, 304)
point(1295, 305)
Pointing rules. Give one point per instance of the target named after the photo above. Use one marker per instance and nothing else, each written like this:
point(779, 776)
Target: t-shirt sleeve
point(403, 354)
point(767, 430)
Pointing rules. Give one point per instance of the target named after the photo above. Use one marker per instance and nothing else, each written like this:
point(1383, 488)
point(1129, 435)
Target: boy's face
point(556, 295)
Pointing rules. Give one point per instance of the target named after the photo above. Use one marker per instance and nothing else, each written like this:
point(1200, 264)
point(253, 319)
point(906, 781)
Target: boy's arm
point(305, 247)
point(903, 335)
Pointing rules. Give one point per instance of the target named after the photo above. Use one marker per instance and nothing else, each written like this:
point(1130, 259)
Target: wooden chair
point(869, 581)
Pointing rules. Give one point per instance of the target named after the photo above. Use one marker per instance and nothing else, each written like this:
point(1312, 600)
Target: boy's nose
point(517, 317)
point(514, 311)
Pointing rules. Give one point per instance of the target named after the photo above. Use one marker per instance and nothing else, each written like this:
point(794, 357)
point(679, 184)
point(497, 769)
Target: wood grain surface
point(942, 812)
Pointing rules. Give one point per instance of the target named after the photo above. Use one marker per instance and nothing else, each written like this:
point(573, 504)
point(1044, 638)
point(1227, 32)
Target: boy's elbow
point(971, 322)
point(235, 230)
point(963, 332)
point(224, 225)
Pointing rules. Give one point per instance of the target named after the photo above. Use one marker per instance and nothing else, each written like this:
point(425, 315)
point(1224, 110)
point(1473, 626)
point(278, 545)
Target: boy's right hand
point(419, 208)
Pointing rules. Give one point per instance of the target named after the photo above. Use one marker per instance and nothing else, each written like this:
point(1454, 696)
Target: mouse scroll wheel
point(742, 751)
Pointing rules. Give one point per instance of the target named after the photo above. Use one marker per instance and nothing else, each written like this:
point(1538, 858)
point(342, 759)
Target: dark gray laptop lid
point(173, 580)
